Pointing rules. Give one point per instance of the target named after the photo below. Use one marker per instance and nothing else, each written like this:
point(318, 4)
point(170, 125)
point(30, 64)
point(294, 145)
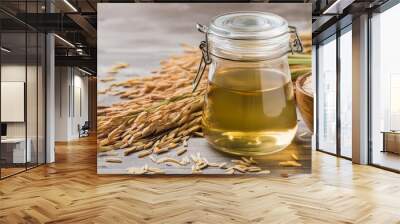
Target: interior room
point(22, 100)
point(48, 150)
point(29, 103)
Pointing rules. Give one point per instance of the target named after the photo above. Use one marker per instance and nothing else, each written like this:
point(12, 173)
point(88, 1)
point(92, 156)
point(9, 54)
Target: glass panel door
point(385, 90)
point(327, 96)
point(22, 77)
point(14, 153)
point(346, 93)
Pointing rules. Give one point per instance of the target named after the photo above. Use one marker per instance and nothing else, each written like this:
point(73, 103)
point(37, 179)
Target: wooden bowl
point(305, 102)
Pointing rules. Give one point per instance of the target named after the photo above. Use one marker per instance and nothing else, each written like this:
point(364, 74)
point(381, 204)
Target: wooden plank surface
point(70, 191)
point(301, 147)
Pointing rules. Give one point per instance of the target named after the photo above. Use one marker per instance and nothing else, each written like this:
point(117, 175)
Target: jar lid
point(248, 25)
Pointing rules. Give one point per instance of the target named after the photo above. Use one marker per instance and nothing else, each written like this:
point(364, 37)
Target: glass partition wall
point(334, 105)
point(13, 90)
point(326, 140)
point(385, 90)
point(345, 93)
point(334, 99)
point(22, 77)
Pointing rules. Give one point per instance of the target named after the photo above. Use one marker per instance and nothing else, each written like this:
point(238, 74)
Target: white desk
point(19, 149)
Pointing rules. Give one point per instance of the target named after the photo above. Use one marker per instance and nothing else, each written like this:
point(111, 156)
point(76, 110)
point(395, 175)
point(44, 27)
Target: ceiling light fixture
point(337, 7)
point(70, 5)
point(80, 51)
point(64, 40)
point(5, 50)
point(84, 71)
point(333, 6)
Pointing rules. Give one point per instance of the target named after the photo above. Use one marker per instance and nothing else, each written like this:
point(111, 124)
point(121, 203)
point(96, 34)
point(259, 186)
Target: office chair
point(84, 130)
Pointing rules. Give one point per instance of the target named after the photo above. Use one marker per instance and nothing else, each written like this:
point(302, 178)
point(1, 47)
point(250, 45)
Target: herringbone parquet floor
point(69, 191)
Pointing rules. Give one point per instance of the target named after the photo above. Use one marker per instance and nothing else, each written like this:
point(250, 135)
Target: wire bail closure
point(205, 56)
point(295, 46)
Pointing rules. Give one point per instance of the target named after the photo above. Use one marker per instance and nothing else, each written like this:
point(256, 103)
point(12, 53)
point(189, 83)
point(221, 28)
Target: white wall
point(71, 93)
point(16, 73)
point(33, 126)
point(80, 110)
point(61, 103)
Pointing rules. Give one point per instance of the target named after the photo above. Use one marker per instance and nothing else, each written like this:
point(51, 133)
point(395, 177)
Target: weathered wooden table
point(301, 147)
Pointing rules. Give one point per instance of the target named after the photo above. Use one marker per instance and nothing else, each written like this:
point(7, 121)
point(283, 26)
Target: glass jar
point(249, 107)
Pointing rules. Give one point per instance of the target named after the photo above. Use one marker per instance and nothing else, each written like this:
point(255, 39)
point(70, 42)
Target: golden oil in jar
point(249, 111)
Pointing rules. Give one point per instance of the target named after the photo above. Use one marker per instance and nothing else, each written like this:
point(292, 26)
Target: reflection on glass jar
point(249, 107)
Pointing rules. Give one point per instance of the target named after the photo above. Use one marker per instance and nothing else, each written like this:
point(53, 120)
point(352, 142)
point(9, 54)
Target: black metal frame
point(316, 96)
point(44, 77)
point(369, 89)
point(338, 98)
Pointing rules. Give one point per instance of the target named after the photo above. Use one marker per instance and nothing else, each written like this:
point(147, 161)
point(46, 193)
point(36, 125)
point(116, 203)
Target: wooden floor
point(70, 191)
point(387, 159)
point(10, 171)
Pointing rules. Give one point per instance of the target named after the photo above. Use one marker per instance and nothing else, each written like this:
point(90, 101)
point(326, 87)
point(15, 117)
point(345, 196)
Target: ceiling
point(76, 22)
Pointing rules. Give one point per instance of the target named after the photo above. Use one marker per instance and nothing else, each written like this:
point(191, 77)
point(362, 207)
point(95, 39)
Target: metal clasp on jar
point(295, 46)
point(205, 56)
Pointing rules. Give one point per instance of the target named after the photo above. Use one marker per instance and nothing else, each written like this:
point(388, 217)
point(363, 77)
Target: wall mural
point(203, 89)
